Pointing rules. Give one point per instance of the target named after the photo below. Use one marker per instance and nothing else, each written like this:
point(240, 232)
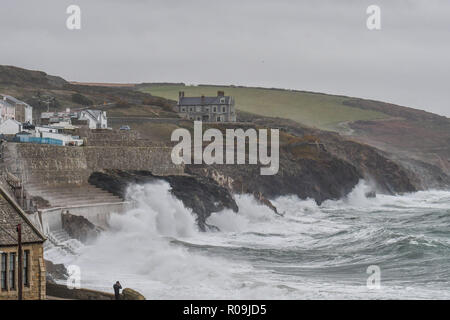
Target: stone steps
point(68, 196)
point(60, 244)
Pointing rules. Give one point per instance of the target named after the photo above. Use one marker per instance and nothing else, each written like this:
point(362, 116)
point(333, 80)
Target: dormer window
point(222, 100)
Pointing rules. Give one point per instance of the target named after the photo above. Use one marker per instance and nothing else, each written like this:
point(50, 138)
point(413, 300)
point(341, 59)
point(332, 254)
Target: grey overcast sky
point(316, 45)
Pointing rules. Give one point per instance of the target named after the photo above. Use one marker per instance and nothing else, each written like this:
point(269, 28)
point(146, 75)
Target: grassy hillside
point(314, 109)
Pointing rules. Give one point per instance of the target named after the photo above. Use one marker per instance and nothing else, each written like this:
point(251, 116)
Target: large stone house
point(207, 109)
point(33, 273)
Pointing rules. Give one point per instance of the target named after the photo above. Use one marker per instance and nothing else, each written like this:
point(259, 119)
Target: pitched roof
point(11, 120)
point(94, 114)
point(193, 101)
point(10, 216)
point(14, 100)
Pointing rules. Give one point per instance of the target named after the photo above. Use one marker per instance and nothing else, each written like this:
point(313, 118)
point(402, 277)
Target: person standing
point(117, 286)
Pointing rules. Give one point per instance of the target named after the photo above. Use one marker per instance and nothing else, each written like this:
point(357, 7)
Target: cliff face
point(383, 169)
point(320, 177)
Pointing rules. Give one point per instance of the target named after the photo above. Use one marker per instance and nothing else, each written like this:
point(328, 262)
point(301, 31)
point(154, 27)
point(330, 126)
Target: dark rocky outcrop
point(201, 194)
point(306, 171)
point(62, 291)
point(79, 227)
point(55, 271)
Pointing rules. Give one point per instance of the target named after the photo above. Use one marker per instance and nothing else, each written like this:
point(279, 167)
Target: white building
point(96, 118)
point(7, 110)
point(49, 118)
point(10, 126)
point(12, 108)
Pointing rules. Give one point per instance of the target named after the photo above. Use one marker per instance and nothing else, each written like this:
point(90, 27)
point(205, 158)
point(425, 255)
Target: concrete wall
point(97, 214)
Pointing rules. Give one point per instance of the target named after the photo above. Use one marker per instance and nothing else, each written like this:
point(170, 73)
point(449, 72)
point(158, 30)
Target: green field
point(314, 109)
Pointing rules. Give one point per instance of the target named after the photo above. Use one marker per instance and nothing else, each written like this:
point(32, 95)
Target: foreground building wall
point(35, 287)
point(33, 272)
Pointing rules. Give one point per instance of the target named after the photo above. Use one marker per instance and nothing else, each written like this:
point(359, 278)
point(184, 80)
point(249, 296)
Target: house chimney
point(203, 99)
point(220, 93)
point(181, 94)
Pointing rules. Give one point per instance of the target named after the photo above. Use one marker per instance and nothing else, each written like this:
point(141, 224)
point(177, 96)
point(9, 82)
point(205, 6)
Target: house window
point(215, 109)
point(183, 109)
point(3, 271)
point(191, 109)
point(12, 271)
point(223, 109)
point(222, 100)
point(26, 268)
point(207, 109)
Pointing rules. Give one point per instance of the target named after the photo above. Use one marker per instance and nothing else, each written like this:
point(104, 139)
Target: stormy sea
point(311, 252)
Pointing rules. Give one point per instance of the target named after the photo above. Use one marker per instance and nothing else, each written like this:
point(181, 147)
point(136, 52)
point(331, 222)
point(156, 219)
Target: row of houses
point(16, 123)
point(93, 119)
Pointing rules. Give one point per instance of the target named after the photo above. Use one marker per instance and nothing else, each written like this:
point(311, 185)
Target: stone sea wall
point(55, 165)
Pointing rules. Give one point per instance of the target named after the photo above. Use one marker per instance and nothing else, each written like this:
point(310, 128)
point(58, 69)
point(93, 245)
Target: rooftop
point(220, 99)
point(11, 99)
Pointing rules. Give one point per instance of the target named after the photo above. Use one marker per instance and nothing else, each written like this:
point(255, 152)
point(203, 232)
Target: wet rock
point(263, 200)
point(371, 194)
point(130, 294)
point(79, 227)
point(55, 271)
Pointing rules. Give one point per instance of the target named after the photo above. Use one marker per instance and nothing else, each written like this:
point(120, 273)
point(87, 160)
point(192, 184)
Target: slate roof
point(13, 121)
point(94, 114)
point(195, 101)
point(10, 216)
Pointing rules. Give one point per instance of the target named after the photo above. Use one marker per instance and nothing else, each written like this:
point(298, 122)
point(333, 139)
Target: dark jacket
point(117, 287)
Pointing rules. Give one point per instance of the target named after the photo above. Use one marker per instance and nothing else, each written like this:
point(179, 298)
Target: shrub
point(80, 99)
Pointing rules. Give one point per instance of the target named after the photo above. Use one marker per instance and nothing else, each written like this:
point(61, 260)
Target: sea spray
point(138, 251)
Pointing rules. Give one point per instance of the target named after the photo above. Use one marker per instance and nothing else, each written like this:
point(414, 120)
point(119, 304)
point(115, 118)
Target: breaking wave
point(313, 251)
